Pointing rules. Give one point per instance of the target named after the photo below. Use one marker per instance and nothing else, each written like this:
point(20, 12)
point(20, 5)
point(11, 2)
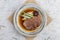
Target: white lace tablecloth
point(8, 32)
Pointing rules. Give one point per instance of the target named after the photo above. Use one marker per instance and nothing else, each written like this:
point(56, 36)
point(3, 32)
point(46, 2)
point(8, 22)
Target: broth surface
point(38, 18)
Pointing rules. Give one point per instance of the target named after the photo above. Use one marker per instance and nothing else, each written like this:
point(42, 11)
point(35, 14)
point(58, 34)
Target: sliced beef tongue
point(32, 23)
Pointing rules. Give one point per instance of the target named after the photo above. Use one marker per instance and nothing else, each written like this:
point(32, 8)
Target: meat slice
point(32, 23)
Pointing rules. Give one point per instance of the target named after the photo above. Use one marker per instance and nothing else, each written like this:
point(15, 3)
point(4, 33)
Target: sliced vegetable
point(27, 15)
point(24, 19)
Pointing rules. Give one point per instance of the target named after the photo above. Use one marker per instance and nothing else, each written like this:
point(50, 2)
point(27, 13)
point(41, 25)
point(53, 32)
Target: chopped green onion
point(27, 15)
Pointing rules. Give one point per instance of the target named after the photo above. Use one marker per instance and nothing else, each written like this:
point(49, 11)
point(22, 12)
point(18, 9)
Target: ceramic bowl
point(19, 29)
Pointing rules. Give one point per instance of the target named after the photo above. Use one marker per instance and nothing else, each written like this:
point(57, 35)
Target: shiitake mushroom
point(35, 13)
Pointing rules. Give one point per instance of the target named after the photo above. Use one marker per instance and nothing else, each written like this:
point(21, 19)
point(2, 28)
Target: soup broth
point(30, 19)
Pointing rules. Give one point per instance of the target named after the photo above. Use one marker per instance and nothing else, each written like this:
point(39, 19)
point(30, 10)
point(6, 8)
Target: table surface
point(50, 32)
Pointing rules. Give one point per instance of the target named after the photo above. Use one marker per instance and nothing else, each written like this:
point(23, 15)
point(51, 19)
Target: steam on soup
point(30, 19)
